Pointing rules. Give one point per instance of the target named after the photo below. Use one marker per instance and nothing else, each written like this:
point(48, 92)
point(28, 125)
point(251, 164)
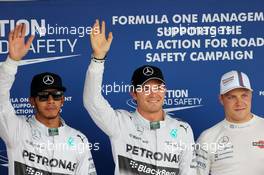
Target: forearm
point(9, 123)
point(98, 107)
point(93, 82)
point(8, 70)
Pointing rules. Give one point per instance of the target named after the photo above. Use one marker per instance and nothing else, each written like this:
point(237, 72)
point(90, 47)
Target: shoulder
point(180, 123)
point(75, 135)
point(259, 122)
point(123, 112)
point(259, 119)
point(126, 115)
point(210, 133)
point(29, 121)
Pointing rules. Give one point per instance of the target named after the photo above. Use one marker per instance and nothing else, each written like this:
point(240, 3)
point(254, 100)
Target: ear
point(32, 101)
point(220, 97)
point(165, 89)
point(62, 101)
point(134, 95)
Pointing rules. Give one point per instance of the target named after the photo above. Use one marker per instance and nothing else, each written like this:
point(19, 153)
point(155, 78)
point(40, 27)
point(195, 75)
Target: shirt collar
point(141, 121)
point(247, 124)
point(48, 131)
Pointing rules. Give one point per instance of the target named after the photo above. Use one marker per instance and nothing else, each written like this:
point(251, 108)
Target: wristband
point(97, 60)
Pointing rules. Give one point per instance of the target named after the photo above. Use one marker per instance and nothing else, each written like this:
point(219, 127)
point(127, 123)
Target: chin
point(154, 110)
point(239, 119)
point(51, 116)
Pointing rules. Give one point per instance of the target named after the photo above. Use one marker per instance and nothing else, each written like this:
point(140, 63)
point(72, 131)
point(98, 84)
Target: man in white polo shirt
point(235, 146)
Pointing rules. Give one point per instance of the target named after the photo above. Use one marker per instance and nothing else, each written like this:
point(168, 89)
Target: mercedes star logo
point(48, 80)
point(148, 71)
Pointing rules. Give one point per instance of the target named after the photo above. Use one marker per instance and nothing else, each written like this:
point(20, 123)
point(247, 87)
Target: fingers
point(98, 39)
point(29, 41)
point(103, 28)
point(14, 33)
point(110, 38)
point(11, 36)
point(96, 27)
point(17, 31)
point(23, 30)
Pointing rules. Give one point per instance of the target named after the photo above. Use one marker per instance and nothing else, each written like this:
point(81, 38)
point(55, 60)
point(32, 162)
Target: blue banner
point(193, 42)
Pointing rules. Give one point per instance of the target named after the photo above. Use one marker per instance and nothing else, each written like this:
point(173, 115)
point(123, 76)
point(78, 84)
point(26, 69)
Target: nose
point(152, 93)
point(50, 99)
point(239, 101)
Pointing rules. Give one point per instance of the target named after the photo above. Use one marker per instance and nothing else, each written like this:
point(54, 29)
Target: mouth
point(51, 108)
point(153, 100)
point(240, 109)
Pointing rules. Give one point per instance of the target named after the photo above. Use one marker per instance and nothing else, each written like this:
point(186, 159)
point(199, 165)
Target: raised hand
point(17, 46)
point(100, 44)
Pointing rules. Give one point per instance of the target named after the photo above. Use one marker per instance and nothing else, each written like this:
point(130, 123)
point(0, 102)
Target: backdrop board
point(193, 42)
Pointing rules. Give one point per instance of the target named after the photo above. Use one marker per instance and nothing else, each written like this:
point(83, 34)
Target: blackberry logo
point(30, 171)
point(133, 164)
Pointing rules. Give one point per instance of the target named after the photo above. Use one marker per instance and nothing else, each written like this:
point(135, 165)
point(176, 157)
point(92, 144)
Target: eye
point(146, 88)
point(245, 95)
point(230, 97)
point(162, 87)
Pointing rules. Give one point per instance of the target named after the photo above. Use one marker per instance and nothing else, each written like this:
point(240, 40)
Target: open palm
point(17, 46)
point(100, 44)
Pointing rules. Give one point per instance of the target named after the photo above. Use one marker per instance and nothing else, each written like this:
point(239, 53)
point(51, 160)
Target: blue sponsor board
point(194, 43)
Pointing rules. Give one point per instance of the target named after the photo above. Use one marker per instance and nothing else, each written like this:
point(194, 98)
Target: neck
point(248, 118)
point(152, 117)
point(49, 122)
